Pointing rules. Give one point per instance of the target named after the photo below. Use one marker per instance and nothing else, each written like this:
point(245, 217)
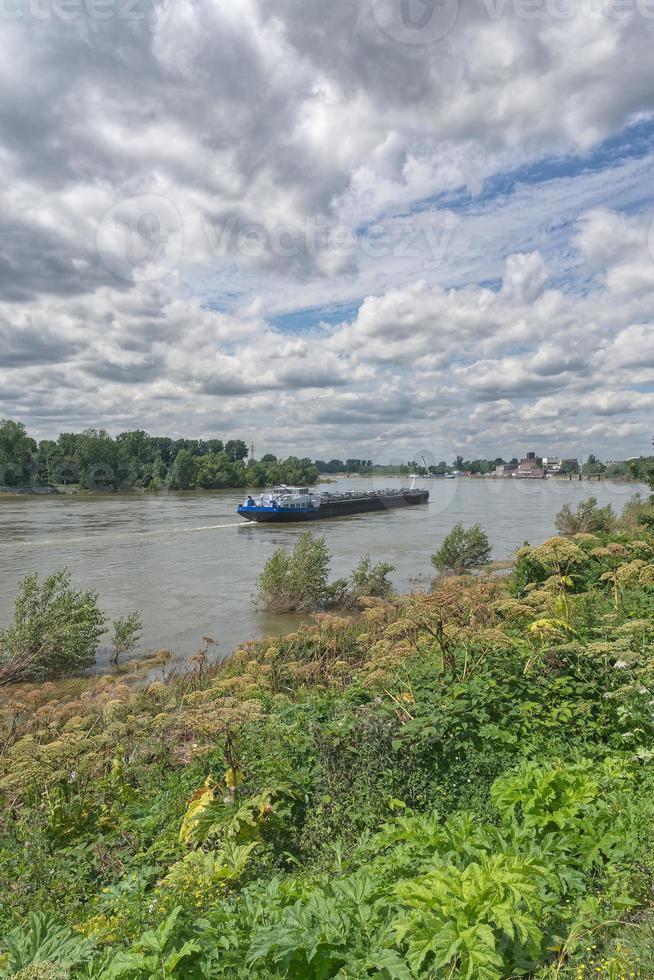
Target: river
point(190, 564)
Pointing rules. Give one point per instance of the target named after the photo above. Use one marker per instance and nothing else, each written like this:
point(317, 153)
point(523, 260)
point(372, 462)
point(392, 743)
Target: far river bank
point(74, 491)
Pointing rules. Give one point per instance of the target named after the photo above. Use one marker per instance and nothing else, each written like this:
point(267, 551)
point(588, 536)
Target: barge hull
point(336, 508)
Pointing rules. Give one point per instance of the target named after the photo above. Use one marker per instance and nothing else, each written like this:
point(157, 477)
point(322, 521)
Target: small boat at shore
point(285, 504)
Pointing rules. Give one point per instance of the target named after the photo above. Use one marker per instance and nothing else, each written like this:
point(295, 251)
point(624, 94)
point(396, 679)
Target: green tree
point(236, 450)
point(593, 466)
point(636, 513)
point(17, 452)
point(371, 580)
point(643, 469)
point(294, 471)
point(463, 550)
point(296, 581)
point(153, 476)
point(138, 445)
point(184, 471)
point(588, 518)
point(164, 448)
point(104, 464)
point(53, 467)
point(62, 460)
point(206, 447)
point(213, 472)
point(127, 632)
point(68, 442)
point(616, 471)
point(56, 630)
point(217, 471)
point(260, 474)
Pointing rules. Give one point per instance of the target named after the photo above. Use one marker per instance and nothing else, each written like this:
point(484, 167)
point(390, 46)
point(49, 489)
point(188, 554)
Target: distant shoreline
point(11, 492)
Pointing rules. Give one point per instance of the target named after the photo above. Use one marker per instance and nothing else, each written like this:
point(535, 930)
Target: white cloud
point(315, 162)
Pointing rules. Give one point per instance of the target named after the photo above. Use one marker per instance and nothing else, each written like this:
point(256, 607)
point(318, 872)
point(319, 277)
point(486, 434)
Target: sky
point(378, 229)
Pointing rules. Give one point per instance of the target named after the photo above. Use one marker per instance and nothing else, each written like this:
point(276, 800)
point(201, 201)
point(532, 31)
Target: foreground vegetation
point(452, 784)
point(57, 629)
point(298, 580)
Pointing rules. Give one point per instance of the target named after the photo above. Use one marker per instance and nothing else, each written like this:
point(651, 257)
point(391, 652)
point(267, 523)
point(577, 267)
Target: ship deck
point(337, 505)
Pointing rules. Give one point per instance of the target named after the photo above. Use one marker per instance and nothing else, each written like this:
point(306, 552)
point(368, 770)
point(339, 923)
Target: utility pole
point(252, 451)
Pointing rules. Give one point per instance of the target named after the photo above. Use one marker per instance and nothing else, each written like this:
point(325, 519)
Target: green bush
point(365, 581)
point(56, 630)
point(127, 632)
point(588, 518)
point(463, 550)
point(637, 513)
point(371, 580)
point(296, 581)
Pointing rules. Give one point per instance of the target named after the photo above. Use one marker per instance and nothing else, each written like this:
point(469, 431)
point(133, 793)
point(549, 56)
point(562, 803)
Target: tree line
point(593, 467)
point(94, 460)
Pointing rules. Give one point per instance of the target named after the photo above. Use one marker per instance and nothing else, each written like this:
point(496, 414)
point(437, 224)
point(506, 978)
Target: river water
point(190, 564)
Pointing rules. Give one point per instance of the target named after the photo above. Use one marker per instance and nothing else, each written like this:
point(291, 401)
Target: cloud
point(481, 202)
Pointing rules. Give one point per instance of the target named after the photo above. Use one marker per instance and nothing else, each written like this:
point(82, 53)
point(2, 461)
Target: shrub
point(636, 514)
point(556, 556)
point(371, 580)
point(587, 519)
point(126, 634)
point(462, 550)
point(365, 581)
point(297, 581)
point(56, 630)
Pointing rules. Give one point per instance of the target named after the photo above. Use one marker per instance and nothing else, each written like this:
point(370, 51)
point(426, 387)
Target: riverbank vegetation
point(587, 518)
point(94, 460)
point(56, 630)
point(450, 784)
point(463, 550)
point(298, 580)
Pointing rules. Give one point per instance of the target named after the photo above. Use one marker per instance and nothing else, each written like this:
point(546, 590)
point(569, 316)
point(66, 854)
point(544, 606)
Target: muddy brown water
point(190, 564)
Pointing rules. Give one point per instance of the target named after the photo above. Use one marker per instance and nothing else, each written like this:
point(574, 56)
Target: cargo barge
point(284, 504)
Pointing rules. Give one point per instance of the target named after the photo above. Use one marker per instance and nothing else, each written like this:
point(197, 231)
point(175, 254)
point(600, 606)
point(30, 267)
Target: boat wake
point(126, 534)
point(210, 527)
